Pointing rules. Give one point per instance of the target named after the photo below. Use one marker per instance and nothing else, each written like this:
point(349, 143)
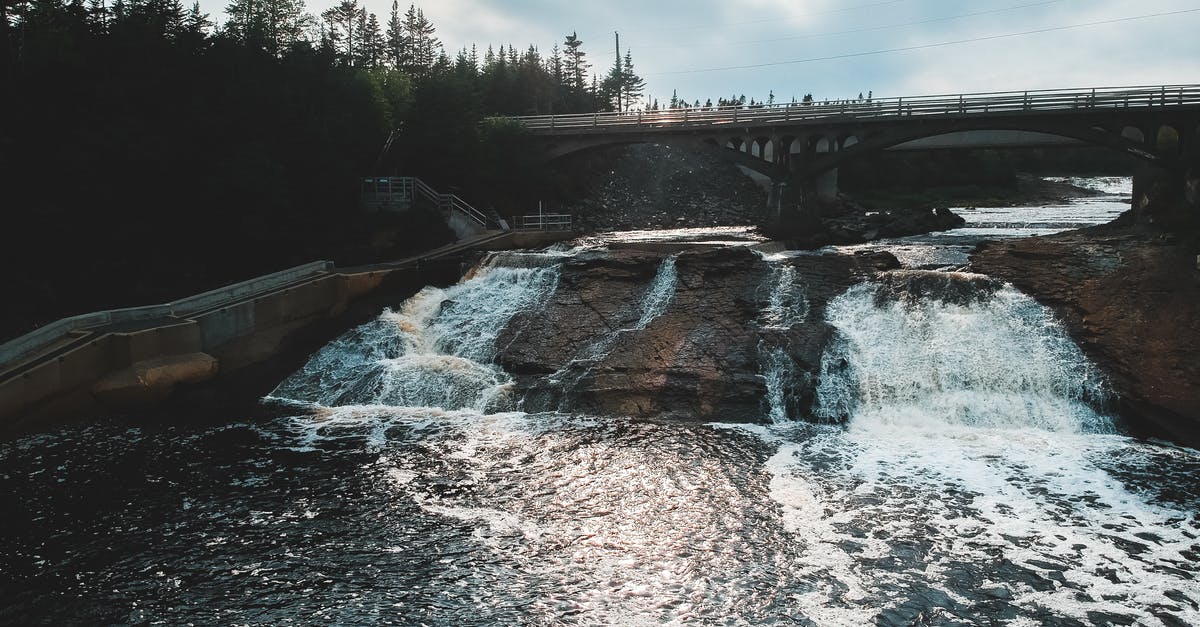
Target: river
point(976, 479)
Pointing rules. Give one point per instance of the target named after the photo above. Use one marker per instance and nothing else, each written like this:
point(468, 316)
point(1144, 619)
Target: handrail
point(38, 338)
point(445, 202)
point(1156, 96)
point(543, 222)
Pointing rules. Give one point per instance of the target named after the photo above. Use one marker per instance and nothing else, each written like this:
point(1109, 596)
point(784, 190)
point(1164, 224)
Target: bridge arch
point(1167, 139)
point(1128, 141)
point(716, 145)
point(849, 141)
point(822, 145)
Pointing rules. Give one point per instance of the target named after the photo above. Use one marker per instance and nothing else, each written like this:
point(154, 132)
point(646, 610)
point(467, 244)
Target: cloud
point(666, 36)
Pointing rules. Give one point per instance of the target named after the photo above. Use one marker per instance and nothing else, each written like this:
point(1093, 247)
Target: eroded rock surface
point(598, 347)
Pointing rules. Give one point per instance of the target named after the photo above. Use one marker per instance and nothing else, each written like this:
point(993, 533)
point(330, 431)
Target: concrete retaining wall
point(114, 361)
point(238, 334)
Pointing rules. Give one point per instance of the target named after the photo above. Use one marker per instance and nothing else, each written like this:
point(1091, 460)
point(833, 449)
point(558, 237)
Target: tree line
point(147, 153)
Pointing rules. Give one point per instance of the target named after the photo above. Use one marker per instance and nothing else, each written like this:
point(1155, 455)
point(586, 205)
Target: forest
point(147, 153)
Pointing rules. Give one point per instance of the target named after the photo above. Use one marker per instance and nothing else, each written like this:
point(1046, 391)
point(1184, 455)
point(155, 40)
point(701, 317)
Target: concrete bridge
point(802, 144)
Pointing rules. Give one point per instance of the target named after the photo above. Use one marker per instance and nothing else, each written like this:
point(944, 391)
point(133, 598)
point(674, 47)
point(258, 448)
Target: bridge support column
point(826, 185)
point(775, 200)
point(792, 211)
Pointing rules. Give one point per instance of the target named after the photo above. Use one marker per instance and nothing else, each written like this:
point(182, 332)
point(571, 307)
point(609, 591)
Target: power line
point(793, 17)
point(926, 46)
point(857, 30)
point(764, 20)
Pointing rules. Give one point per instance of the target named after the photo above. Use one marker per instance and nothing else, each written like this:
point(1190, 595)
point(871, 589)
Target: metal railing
point(449, 202)
point(404, 189)
point(1045, 100)
point(35, 340)
point(385, 193)
point(543, 222)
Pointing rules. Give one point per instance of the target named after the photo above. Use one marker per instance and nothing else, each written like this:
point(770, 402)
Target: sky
point(712, 48)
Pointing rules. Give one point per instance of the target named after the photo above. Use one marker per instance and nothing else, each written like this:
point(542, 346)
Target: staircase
point(400, 193)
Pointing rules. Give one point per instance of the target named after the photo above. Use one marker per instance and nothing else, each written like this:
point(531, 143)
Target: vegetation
point(146, 153)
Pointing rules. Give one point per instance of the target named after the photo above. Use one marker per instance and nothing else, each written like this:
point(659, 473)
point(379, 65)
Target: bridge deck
point(1039, 101)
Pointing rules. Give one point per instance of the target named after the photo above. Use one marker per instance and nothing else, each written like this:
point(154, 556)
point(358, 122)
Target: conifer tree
point(632, 85)
point(395, 38)
point(574, 64)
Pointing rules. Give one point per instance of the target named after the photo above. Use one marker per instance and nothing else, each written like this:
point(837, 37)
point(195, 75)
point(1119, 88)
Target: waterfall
point(659, 296)
point(436, 351)
point(937, 350)
point(779, 371)
point(654, 303)
point(787, 306)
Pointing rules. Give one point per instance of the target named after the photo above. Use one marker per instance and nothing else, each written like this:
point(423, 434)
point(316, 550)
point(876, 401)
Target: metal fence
point(1046, 100)
point(543, 222)
point(398, 193)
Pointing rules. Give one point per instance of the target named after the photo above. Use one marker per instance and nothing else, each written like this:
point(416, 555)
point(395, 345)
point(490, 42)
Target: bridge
point(802, 144)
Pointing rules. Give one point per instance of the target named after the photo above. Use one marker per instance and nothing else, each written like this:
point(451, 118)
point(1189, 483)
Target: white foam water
point(660, 294)
point(998, 361)
point(787, 306)
point(974, 470)
point(779, 372)
point(436, 351)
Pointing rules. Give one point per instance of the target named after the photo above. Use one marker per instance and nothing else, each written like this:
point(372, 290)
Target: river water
point(977, 479)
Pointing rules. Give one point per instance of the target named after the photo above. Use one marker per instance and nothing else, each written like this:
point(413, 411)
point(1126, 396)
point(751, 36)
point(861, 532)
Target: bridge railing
point(1045, 100)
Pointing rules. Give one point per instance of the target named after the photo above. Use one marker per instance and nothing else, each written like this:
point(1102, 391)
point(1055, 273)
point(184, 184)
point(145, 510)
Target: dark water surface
point(378, 515)
point(977, 480)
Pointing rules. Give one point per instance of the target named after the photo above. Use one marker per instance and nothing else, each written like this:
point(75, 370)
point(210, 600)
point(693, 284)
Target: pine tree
point(556, 65)
point(395, 38)
point(632, 85)
point(373, 44)
point(285, 23)
point(343, 19)
point(422, 48)
point(574, 64)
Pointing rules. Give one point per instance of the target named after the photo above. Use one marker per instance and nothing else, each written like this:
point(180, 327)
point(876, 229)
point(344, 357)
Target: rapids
point(958, 465)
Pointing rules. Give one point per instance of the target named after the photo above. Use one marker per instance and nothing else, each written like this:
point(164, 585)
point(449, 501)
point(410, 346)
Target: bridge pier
point(825, 185)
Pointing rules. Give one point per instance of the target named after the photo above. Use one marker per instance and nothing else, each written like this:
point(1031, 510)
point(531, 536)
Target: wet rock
point(1130, 297)
point(698, 360)
point(915, 286)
